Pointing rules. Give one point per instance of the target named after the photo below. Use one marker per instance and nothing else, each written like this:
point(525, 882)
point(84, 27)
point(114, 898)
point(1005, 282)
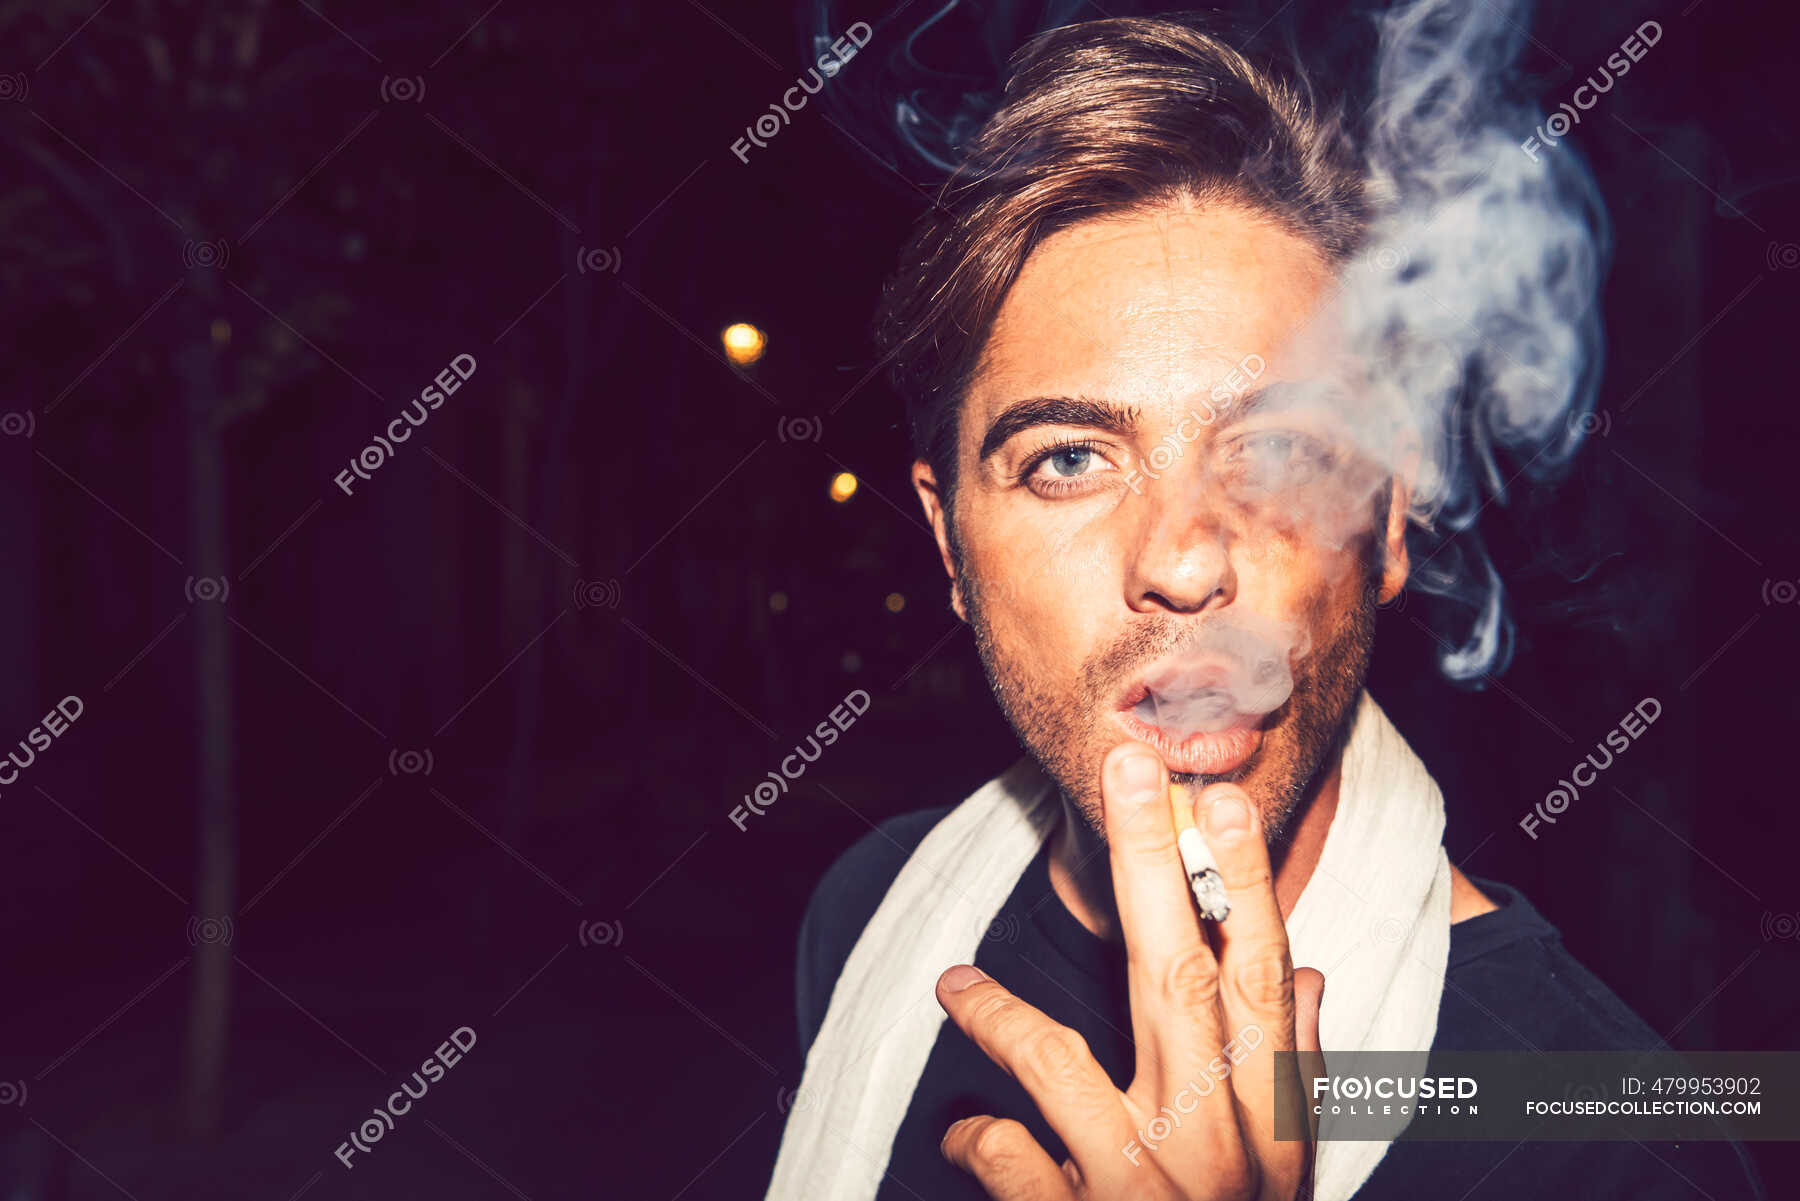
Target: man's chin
point(1258, 777)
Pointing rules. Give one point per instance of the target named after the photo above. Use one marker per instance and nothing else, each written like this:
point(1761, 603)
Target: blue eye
point(1070, 460)
point(1065, 468)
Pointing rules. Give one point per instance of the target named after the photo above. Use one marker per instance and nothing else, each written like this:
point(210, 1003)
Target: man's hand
point(1197, 1122)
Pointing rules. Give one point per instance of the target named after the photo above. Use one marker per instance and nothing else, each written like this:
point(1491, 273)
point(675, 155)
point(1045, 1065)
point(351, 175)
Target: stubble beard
point(1056, 724)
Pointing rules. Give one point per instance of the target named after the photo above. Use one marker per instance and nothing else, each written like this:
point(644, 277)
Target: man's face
point(1128, 481)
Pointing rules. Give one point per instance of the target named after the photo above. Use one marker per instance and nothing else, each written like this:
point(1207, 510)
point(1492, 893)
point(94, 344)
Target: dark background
point(460, 749)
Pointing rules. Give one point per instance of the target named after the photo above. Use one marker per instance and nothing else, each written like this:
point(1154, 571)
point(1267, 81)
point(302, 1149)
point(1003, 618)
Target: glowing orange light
point(744, 343)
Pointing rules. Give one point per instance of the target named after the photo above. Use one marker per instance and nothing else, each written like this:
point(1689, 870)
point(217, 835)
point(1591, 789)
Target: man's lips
point(1212, 753)
point(1201, 754)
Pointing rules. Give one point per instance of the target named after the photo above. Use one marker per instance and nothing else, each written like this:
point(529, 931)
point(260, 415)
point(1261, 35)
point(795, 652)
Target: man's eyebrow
point(1236, 407)
point(1056, 410)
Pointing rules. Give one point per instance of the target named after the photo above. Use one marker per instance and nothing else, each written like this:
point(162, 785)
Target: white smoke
point(1238, 667)
point(1471, 317)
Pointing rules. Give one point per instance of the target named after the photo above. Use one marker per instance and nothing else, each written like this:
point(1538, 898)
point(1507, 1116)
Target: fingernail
point(1139, 774)
point(1228, 815)
point(961, 976)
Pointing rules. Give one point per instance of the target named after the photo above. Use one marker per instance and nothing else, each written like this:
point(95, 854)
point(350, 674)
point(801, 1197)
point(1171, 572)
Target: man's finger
point(1173, 975)
point(1256, 977)
point(1054, 1066)
point(1002, 1155)
point(1256, 974)
point(1309, 998)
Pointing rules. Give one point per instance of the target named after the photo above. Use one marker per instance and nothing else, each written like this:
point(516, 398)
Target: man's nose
point(1180, 559)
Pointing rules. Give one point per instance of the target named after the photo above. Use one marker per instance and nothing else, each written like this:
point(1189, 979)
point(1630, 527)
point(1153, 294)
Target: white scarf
point(1374, 918)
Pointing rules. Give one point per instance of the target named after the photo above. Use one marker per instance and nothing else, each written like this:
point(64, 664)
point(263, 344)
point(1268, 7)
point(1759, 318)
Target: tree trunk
point(215, 808)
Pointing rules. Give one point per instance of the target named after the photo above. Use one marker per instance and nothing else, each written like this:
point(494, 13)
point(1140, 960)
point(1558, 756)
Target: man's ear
point(1395, 566)
point(924, 481)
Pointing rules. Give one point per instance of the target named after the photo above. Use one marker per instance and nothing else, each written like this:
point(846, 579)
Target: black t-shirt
point(1509, 984)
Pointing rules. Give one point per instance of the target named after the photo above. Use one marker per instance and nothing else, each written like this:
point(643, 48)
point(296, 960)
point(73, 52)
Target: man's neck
point(1081, 874)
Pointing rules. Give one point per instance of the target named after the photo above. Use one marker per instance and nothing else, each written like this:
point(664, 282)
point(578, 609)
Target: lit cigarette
point(1202, 869)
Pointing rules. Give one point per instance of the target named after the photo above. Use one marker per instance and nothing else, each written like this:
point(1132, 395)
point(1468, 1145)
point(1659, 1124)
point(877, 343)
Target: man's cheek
point(1038, 581)
point(1302, 582)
